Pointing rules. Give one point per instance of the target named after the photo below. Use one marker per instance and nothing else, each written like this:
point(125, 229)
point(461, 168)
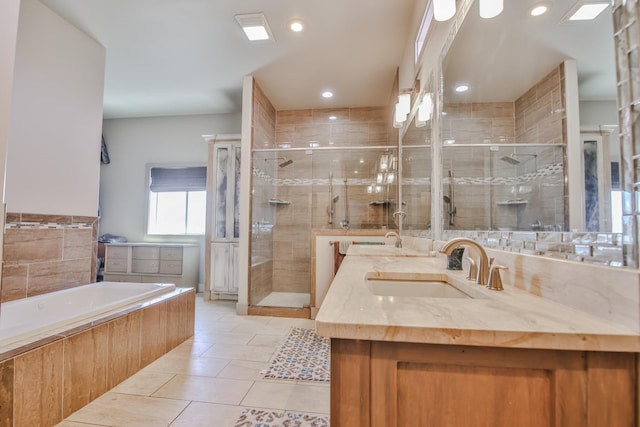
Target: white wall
point(8, 32)
point(133, 144)
point(56, 117)
point(594, 114)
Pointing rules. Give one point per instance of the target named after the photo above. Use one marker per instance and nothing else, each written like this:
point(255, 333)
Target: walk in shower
point(503, 187)
point(295, 191)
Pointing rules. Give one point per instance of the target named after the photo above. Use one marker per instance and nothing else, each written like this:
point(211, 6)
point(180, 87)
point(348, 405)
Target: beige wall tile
point(38, 398)
point(295, 117)
point(322, 115)
point(6, 393)
point(14, 282)
point(85, 368)
point(153, 333)
point(124, 348)
point(77, 243)
point(32, 245)
point(54, 276)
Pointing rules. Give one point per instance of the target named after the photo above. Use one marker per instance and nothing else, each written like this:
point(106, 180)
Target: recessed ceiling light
point(462, 88)
point(296, 25)
point(255, 27)
point(327, 94)
point(332, 117)
point(539, 9)
point(585, 10)
point(361, 160)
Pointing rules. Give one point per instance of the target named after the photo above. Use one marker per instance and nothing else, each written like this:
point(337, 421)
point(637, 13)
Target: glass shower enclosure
point(295, 191)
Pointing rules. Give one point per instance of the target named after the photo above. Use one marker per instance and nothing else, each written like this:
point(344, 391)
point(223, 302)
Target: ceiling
point(172, 57)
point(515, 50)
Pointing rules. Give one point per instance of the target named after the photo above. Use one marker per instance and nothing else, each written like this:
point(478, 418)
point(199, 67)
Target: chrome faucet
point(482, 264)
point(397, 236)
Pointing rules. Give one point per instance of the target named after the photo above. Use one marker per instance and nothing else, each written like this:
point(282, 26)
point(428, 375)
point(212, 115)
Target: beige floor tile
point(192, 347)
point(114, 409)
point(289, 322)
point(263, 329)
point(218, 337)
point(240, 352)
point(143, 383)
point(243, 370)
point(199, 414)
point(292, 397)
point(73, 424)
point(205, 389)
point(267, 340)
point(181, 364)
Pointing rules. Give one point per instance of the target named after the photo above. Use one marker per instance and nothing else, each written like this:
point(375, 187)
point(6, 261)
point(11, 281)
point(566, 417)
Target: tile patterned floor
point(209, 379)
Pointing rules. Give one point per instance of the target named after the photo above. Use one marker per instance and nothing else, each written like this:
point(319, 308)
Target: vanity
point(470, 356)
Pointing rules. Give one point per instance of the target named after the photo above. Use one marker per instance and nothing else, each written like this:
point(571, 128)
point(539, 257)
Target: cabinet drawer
point(144, 265)
point(116, 265)
point(170, 267)
point(171, 254)
point(117, 252)
point(144, 252)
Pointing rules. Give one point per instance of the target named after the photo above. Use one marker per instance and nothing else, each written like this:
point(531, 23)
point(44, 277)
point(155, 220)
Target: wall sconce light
point(490, 8)
point(403, 107)
point(425, 110)
point(444, 9)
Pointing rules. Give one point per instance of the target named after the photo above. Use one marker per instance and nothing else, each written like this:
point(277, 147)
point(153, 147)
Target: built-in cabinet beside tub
point(152, 263)
point(223, 217)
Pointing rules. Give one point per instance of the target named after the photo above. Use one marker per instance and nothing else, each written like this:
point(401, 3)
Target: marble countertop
point(511, 318)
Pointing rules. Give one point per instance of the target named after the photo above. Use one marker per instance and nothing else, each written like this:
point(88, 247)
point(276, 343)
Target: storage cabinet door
point(220, 253)
point(234, 267)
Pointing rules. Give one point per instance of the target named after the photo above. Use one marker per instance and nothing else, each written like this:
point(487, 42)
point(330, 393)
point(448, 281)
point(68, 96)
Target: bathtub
point(44, 314)
point(69, 347)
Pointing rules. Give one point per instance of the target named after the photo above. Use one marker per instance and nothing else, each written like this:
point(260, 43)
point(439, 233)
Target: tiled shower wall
point(262, 215)
point(352, 127)
point(536, 117)
point(47, 253)
point(626, 27)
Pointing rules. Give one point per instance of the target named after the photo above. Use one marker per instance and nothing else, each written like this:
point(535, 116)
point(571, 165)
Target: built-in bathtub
point(40, 315)
point(66, 348)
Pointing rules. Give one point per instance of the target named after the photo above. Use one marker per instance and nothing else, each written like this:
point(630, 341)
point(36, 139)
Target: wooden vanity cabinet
point(387, 384)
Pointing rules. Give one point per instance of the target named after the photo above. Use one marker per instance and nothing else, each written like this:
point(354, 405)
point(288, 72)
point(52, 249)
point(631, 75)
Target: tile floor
point(209, 379)
point(286, 299)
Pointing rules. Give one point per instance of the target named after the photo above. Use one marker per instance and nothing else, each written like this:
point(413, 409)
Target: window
point(177, 200)
point(423, 31)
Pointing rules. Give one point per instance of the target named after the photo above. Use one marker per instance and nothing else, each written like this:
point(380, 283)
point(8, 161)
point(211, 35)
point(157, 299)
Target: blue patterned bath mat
point(304, 356)
point(265, 418)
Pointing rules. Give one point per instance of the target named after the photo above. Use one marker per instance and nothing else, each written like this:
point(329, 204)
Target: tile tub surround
point(57, 375)
point(47, 253)
point(512, 319)
point(210, 379)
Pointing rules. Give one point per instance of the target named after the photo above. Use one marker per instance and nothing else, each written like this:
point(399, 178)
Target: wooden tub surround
point(505, 358)
point(44, 381)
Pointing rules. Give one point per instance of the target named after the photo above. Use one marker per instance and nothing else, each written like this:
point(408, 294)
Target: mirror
point(506, 162)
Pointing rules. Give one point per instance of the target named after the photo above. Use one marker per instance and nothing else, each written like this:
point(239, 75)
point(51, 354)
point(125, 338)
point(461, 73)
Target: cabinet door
point(220, 253)
point(234, 267)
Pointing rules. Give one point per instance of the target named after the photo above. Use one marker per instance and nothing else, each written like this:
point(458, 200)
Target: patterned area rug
point(304, 356)
point(266, 418)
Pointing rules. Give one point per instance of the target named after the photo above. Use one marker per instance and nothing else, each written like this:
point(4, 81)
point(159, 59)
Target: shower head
point(335, 198)
point(446, 199)
point(283, 164)
point(510, 160)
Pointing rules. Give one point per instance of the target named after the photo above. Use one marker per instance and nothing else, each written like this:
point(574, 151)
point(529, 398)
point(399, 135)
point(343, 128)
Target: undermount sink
point(412, 285)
